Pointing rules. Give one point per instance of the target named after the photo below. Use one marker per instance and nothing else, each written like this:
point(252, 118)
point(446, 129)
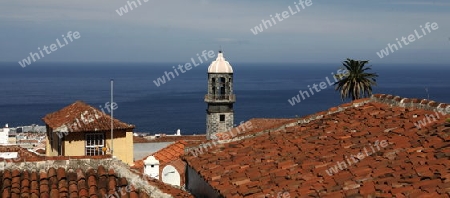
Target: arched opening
point(170, 175)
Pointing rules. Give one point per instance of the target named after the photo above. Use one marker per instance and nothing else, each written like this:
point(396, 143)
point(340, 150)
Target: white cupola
point(220, 65)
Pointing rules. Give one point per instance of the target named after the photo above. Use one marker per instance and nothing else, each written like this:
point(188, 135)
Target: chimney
point(151, 167)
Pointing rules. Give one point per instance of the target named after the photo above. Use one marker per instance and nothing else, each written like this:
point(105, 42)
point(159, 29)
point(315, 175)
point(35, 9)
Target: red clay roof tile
point(81, 117)
point(168, 154)
point(61, 183)
point(298, 159)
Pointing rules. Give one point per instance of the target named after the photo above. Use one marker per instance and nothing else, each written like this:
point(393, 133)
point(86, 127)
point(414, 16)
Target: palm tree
point(357, 83)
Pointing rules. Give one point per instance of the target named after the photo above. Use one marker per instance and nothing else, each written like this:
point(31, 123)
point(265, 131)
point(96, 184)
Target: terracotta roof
point(296, 157)
point(40, 151)
point(170, 153)
point(77, 177)
point(22, 153)
point(62, 183)
point(253, 126)
point(81, 117)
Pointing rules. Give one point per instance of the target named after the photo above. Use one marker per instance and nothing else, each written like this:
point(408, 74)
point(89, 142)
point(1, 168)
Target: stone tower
point(220, 97)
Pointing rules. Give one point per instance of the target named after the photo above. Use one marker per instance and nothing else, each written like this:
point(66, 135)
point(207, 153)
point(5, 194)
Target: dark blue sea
point(262, 91)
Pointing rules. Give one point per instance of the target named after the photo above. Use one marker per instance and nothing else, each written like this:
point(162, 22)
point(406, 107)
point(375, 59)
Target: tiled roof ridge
point(241, 137)
point(273, 128)
point(119, 167)
point(57, 162)
point(175, 143)
point(409, 102)
point(381, 98)
point(303, 120)
point(164, 150)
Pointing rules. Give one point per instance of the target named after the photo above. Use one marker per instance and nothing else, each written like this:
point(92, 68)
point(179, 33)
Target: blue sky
point(176, 30)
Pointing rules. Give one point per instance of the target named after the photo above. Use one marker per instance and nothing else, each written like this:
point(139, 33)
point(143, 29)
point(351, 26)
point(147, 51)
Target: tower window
point(222, 118)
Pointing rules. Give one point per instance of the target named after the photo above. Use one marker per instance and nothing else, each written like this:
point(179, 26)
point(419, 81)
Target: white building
point(4, 134)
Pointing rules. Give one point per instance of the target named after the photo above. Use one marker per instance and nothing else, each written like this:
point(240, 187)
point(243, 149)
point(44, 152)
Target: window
point(222, 118)
point(94, 144)
point(222, 88)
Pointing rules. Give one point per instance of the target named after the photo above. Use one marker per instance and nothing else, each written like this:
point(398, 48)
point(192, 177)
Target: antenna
point(428, 94)
point(112, 119)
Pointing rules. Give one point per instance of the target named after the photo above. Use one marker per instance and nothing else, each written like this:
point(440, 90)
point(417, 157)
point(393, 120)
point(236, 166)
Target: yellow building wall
point(51, 143)
point(123, 145)
point(74, 145)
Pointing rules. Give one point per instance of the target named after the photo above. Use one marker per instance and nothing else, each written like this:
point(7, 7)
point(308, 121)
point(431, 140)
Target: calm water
point(262, 90)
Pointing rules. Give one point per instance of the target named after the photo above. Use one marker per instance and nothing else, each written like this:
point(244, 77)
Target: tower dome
point(219, 97)
point(220, 65)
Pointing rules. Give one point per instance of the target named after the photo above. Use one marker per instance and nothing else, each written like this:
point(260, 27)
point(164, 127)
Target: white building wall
point(4, 135)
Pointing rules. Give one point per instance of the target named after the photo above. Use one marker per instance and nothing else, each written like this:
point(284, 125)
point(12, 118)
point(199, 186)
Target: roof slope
point(81, 117)
point(170, 153)
point(21, 152)
point(79, 177)
point(371, 147)
point(62, 183)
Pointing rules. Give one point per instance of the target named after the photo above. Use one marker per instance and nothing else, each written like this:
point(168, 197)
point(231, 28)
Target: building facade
point(82, 130)
point(220, 97)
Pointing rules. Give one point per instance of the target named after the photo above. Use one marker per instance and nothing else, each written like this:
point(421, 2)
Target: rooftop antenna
point(428, 94)
point(112, 119)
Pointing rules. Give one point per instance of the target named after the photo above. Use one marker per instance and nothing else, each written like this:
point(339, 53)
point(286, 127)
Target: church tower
point(220, 97)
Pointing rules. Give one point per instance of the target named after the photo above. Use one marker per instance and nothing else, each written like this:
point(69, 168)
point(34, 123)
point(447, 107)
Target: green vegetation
point(357, 83)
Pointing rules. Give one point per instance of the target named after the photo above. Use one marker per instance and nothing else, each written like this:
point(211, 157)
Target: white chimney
point(6, 125)
point(151, 167)
point(178, 132)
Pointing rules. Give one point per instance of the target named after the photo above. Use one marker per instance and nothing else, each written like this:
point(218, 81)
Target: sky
point(176, 30)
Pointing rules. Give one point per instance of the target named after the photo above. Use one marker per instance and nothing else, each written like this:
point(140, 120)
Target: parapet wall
point(409, 103)
point(412, 103)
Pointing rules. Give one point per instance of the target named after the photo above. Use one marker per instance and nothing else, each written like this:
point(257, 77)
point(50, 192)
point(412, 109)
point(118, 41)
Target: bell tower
point(220, 97)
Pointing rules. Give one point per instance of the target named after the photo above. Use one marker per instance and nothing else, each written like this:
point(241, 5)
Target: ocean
point(262, 91)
